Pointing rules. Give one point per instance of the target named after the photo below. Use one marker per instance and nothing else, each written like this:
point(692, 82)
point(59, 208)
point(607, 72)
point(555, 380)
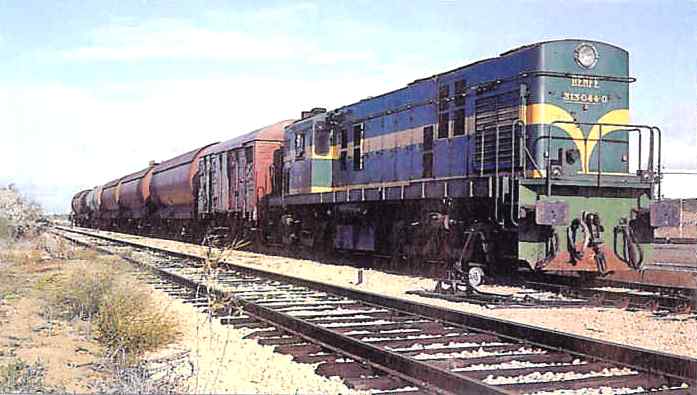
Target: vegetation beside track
point(71, 320)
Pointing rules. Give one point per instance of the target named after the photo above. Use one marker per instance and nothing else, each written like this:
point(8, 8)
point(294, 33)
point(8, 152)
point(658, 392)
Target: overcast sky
point(90, 91)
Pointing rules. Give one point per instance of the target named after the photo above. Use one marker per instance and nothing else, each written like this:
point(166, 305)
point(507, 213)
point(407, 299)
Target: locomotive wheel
point(475, 276)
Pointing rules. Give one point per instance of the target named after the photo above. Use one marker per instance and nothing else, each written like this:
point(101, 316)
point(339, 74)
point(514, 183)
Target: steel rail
point(435, 378)
point(677, 368)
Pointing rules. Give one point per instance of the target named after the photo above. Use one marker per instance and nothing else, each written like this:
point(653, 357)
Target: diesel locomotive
point(523, 161)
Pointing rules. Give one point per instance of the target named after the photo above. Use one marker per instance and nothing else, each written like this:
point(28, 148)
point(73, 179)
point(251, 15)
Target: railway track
point(535, 294)
point(390, 345)
point(598, 292)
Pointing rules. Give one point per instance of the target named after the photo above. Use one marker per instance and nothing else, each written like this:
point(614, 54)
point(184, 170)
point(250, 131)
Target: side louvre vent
point(500, 110)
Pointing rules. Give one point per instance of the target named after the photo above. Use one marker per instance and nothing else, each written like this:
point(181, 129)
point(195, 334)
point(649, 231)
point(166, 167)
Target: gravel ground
point(672, 334)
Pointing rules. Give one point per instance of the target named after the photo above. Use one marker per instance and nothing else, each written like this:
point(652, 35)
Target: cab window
point(322, 139)
point(358, 146)
point(300, 145)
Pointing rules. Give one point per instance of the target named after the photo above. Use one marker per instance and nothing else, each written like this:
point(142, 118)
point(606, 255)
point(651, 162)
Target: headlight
point(586, 56)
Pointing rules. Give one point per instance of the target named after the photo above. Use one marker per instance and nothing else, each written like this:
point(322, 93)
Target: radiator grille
point(500, 110)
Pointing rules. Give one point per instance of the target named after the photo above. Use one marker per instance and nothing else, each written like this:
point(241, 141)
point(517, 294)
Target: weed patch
point(20, 377)
point(80, 290)
point(126, 320)
point(129, 323)
point(5, 229)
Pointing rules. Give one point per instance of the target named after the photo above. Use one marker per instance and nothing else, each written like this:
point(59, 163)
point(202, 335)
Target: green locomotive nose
point(589, 176)
point(566, 231)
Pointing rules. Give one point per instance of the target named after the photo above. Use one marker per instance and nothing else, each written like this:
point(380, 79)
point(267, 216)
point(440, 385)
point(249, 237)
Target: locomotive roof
point(537, 44)
point(503, 54)
point(79, 194)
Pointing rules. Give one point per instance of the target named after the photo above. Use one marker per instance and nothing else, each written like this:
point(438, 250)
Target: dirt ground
point(672, 334)
point(63, 348)
point(218, 358)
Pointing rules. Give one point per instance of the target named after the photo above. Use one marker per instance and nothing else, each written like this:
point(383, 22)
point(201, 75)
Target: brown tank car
point(134, 196)
point(109, 208)
point(172, 188)
point(93, 200)
point(80, 214)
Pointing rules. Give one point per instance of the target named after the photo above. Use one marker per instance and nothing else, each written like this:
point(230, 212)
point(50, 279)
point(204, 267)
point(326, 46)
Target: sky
point(93, 90)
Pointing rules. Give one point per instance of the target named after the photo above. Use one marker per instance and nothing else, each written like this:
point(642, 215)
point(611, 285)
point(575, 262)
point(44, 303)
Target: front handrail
point(660, 141)
point(640, 129)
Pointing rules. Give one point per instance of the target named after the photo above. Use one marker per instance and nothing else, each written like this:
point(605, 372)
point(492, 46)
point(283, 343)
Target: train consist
point(518, 161)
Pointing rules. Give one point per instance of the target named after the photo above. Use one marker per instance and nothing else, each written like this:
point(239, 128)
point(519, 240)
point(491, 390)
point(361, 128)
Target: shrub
point(86, 254)
point(19, 377)
point(81, 289)
point(129, 323)
point(21, 256)
point(5, 229)
point(126, 319)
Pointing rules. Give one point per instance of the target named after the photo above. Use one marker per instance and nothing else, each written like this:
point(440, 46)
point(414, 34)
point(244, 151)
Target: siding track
point(380, 343)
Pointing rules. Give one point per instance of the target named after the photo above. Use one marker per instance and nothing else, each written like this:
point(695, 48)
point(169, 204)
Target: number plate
point(551, 213)
point(665, 213)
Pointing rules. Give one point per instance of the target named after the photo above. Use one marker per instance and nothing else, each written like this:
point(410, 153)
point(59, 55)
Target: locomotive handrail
point(514, 180)
point(515, 125)
point(627, 128)
point(496, 174)
point(660, 142)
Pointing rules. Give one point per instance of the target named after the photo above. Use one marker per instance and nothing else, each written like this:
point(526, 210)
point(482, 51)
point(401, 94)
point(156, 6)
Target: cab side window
point(300, 145)
point(322, 138)
point(343, 148)
point(358, 146)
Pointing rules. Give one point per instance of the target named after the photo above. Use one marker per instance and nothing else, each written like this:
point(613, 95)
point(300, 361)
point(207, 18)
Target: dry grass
point(20, 256)
point(129, 323)
point(18, 260)
point(95, 297)
point(125, 319)
point(80, 290)
point(19, 377)
point(5, 229)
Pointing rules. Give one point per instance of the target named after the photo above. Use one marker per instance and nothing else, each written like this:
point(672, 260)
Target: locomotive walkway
point(380, 343)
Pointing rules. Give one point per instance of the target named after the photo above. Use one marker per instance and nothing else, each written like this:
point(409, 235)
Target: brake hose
point(632, 253)
point(571, 231)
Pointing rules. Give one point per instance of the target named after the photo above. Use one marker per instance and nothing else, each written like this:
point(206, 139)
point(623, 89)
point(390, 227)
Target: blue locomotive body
point(500, 149)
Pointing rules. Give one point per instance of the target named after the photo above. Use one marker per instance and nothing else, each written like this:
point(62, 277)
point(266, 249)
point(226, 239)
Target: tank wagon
point(216, 188)
point(134, 200)
point(527, 160)
point(80, 212)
